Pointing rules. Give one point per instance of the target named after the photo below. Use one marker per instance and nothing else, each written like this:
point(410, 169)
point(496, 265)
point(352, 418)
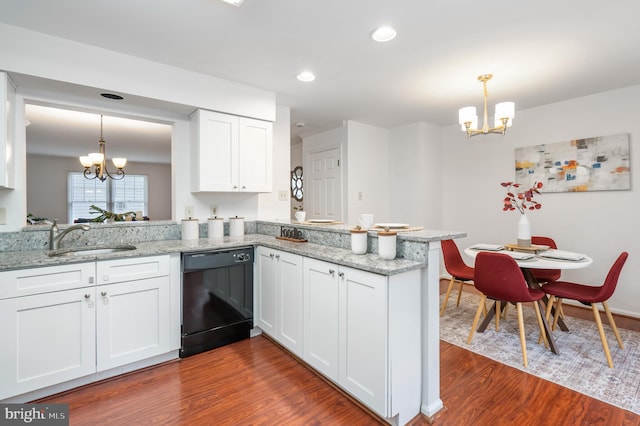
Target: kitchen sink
point(90, 251)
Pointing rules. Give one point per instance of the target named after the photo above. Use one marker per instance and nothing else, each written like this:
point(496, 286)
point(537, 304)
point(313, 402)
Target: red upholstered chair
point(590, 295)
point(545, 275)
point(499, 277)
point(456, 267)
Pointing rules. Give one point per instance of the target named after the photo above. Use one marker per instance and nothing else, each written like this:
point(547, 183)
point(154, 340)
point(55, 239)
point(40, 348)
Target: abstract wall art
point(592, 164)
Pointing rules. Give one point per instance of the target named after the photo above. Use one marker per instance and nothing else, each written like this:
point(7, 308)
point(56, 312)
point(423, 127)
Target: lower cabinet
point(278, 297)
point(362, 331)
point(65, 326)
point(46, 339)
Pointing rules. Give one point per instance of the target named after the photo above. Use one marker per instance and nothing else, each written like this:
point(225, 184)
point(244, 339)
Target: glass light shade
point(504, 110)
point(86, 161)
point(467, 114)
point(119, 162)
point(96, 157)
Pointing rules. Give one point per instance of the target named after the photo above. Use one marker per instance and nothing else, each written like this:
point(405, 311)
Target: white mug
point(366, 220)
point(300, 216)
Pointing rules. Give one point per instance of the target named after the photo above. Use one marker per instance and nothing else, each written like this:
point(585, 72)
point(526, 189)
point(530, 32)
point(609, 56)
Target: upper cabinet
point(231, 153)
point(7, 108)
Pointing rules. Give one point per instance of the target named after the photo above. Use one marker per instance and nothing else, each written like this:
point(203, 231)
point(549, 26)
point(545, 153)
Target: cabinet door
point(7, 112)
point(321, 316)
point(46, 339)
point(363, 337)
point(265, 291)
point(133, 321)
point(289, 277)
point(215, 149)
point(255, 152)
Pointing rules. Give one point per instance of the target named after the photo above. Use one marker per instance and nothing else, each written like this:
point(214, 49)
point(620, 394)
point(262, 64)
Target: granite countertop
point(370, 262)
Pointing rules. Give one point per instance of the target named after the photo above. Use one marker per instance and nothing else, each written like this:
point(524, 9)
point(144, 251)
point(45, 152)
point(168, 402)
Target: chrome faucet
point(55, 235)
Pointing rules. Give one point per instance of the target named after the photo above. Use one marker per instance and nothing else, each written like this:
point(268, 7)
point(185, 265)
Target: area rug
point(581, 364)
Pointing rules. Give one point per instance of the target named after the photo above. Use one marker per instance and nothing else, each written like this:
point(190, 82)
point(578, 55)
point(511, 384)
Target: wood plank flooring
point(255, 382)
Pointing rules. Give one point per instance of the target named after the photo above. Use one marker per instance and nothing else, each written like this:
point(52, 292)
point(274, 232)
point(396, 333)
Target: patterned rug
point(581, 364)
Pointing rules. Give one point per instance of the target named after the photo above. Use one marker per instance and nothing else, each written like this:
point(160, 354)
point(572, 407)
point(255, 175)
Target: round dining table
point(527, 261)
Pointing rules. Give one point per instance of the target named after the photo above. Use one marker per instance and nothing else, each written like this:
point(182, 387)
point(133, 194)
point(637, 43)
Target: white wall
point(415, 175)
point(368, 172)
point(600, 224)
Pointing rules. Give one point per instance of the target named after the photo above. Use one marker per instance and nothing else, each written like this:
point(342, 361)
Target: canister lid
point(387, 233)
point(216, 218)
point(190, 220)
point(358, 230)
point(236, 217)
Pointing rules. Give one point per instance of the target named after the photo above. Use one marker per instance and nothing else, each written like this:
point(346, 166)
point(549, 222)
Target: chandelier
point(95, 165)
point(504, 113)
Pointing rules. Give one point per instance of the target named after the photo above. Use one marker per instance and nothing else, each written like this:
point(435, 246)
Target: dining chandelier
point(95, 165)
point(503, 117)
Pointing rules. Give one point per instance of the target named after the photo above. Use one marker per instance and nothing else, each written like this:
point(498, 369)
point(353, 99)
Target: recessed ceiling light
point(306, 76)
point(234, 2)
point(384, 33)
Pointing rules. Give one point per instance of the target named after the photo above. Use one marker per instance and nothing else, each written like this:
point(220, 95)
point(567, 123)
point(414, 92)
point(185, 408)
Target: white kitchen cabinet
point(278, 297)
point(320, 321)
point(362, 330)
point(65, 322)
point(231, 153)
point(7, 112)
point(48, 326)
point(133, 312)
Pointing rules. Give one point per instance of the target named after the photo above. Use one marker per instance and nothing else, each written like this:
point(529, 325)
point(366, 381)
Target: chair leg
point(547, 314)
point(498, 313)
point(504, 312)
point(603, 338)
point(613, 324)
point(483, 299)
point(446, 296)
point(543, 335)
point(557, 314)
point(523, 342)
point(459, 293)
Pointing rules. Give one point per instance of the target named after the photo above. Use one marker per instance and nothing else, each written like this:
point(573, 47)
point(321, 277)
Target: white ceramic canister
point(190, 229)
point(358, 240)
point(236, 226)
point(215, 228)
point(387, 244)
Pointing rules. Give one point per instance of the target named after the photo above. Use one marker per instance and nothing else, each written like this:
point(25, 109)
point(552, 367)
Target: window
point(126, 195)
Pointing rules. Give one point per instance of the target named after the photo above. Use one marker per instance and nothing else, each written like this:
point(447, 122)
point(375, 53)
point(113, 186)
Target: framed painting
point(592, 164)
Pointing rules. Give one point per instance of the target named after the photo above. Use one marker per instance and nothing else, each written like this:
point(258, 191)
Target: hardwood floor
point(255, 382)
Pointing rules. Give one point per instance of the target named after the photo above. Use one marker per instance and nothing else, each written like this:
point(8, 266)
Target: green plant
point(107, 215)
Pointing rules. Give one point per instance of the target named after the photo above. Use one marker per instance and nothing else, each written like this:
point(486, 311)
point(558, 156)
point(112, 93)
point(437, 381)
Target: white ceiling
point(539, 52)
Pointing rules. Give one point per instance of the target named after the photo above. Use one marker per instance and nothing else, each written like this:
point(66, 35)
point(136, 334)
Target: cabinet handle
point(244, 187)
point(235, 187)
point(271, 255)
point(105, 277)
point(91, 279)
point(105, 298)
point(104, 293)
point(277, 256)
point(341, 274)
point(331, 272)
point(87, 297)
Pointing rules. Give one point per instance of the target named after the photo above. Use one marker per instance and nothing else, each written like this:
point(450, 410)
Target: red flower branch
point(521, 200)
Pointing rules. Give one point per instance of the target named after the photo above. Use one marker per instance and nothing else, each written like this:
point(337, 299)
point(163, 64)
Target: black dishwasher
point(217, 298)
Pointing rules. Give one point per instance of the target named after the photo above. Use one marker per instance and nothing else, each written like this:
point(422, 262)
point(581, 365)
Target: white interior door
point(323, 185)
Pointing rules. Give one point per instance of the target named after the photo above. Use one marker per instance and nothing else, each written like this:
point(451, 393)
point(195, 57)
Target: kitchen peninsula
point(411, 278)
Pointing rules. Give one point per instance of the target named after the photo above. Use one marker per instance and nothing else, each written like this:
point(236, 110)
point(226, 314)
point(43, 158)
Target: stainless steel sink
point(90, 251)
